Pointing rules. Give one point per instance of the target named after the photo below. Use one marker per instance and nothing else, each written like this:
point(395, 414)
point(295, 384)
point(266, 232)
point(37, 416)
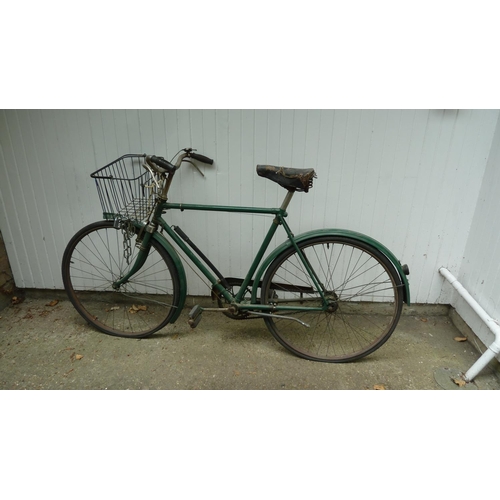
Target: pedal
point(195, 316)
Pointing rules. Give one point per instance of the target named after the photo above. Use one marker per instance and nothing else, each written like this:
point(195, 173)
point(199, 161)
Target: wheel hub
point(333, 302)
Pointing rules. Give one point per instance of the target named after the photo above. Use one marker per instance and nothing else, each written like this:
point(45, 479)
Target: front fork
point(142, 255)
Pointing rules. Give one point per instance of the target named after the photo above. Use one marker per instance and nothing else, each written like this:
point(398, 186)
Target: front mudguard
point(180, 271)
point(332, 232)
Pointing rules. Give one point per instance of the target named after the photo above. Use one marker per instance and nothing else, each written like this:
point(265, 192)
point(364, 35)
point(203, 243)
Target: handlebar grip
point(203, 159)
point(162, 163)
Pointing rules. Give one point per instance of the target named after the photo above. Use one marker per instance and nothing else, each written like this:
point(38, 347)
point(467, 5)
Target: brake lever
point(195, 166)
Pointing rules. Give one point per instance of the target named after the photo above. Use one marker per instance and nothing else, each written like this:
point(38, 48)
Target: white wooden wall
point(410, 179)
point(480, 271)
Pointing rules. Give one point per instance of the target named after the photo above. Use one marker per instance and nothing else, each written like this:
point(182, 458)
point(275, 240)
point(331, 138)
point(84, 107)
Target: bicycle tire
point(363, 288)
point(94, 258)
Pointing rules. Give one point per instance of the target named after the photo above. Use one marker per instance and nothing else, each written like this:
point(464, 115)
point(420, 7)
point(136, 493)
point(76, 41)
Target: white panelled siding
point(409, 178)
point(480, 271)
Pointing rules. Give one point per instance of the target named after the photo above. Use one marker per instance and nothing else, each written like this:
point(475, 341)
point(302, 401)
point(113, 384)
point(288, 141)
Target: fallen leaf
point(16, 300)
point(460, 382)
point(52, 303)
point(135, 308)
point(424, 320)
point(379, 387)
point(460, 339)
point(78, 356)
point(116, 308)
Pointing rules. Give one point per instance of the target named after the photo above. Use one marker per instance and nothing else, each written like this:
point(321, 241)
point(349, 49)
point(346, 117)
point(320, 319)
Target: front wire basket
point(126, 189)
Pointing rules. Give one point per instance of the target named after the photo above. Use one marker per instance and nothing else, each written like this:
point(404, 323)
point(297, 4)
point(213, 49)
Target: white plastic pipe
point(494, 349)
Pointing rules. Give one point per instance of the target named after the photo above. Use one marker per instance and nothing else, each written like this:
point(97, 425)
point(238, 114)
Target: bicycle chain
point(128, 231)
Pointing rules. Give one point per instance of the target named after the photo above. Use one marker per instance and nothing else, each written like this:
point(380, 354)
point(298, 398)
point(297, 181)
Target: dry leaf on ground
point(460, 382)
point(460, 339)
point(379, 387)
point(134, 309)
point(52, 303)
point(78, 356)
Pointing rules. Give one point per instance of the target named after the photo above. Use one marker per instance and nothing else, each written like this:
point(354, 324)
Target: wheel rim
point(95, 260)
point(361, 288)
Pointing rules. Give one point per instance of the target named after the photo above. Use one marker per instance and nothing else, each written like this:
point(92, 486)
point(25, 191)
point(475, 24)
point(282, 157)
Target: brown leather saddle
point(293, 179)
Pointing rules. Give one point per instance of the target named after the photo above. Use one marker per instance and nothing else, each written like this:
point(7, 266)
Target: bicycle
point(328, 295)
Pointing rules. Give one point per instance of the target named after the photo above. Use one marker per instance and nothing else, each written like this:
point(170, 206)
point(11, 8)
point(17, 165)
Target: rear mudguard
point(180, 270)
point(333, 232)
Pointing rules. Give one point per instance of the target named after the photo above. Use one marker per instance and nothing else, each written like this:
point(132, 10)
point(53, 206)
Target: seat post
point(287, 200)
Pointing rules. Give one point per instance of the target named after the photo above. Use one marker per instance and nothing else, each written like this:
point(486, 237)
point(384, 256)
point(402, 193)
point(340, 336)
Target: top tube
point(223, 208)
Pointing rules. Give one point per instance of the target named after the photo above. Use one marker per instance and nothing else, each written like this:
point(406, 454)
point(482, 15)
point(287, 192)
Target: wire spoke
point(95, 260)
point(355, 281)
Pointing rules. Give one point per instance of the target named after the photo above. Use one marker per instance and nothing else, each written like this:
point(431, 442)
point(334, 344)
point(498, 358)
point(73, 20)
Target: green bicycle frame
point(255, 272)
point(279, 213)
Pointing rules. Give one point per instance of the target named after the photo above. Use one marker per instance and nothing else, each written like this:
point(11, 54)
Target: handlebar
point(162, 166)
point(159, 164)
point(203, 159)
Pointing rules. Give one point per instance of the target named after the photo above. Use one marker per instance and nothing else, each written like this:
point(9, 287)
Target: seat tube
point(279, 219)
point(258, 258)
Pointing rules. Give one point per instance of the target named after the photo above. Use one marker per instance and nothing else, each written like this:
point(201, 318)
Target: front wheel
point(362, 290)
point(98, 256)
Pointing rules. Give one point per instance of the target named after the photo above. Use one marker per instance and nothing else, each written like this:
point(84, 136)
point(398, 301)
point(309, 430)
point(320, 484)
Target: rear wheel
point(95, 258)
point(364, 298)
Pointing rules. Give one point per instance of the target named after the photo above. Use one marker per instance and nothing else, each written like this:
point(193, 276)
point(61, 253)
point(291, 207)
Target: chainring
point(234, 286)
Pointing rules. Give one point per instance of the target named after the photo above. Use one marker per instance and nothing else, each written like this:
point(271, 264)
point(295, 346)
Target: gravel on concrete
point(47, 345)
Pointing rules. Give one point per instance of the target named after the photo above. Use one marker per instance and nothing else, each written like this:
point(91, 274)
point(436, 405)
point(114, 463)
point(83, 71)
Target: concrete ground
point(49, 346)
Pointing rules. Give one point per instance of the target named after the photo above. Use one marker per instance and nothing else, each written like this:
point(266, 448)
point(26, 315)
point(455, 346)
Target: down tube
point(193, 258)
